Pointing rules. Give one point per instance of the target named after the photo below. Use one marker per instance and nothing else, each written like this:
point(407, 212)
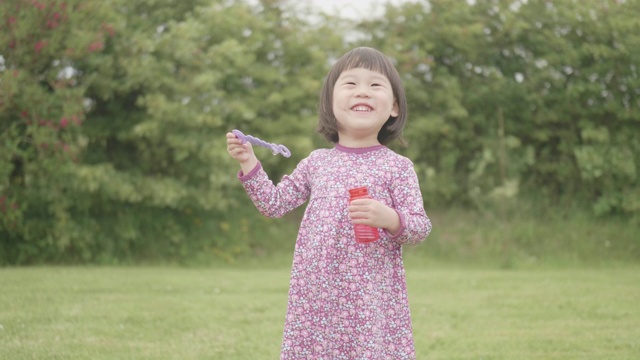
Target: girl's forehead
point(363, 71)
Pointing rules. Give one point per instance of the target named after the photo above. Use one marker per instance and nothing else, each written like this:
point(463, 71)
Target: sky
point(356, 9)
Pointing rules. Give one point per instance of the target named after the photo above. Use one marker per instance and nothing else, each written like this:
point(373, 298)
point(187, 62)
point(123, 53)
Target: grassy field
point(238, 312)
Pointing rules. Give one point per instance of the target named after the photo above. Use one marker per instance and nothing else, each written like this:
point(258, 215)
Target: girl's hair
point(370, 59)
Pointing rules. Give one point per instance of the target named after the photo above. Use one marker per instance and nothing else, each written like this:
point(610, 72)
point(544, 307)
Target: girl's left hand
point(374, 213)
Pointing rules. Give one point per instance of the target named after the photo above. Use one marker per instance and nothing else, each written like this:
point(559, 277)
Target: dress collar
point(361, 150)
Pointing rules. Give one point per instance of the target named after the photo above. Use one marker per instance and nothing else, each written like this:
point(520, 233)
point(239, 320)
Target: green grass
point(525, 238)
point(238, 312)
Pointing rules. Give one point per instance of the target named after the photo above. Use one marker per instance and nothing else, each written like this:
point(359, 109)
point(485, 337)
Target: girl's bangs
point(366, 60)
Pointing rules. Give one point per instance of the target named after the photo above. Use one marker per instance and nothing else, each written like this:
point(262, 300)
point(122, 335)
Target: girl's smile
point(362, 108)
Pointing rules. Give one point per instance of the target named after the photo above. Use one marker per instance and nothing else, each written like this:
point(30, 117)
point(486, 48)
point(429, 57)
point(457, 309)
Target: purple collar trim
point(361, 150)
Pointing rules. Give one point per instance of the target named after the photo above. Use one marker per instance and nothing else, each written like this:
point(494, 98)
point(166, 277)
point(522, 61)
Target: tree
point(148, 176)
point(528, 96)
point(41, 116)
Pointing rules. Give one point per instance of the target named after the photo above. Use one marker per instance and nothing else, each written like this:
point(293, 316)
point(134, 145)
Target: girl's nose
point(363, 91)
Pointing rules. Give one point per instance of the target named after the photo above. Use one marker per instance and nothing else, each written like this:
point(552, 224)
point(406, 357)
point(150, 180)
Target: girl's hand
point(374, 213)
point(241, 152)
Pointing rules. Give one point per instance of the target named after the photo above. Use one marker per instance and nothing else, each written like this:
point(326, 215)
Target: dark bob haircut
point(370, 59)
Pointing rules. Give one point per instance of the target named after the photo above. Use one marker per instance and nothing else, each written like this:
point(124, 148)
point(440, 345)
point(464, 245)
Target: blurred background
point(524, 124)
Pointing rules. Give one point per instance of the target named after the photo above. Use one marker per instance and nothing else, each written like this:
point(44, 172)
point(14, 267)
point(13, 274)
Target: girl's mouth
point(362, 107)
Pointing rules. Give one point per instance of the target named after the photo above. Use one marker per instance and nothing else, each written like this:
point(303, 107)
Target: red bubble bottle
point(364, 233)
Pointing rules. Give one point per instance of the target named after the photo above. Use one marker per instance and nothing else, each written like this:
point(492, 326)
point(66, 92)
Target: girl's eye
point(376, 84)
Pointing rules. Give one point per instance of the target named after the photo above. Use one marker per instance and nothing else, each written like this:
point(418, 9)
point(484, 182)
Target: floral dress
point(346, 300)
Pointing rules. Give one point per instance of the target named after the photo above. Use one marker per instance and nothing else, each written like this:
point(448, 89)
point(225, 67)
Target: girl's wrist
point(248, 165)
point(394, 224)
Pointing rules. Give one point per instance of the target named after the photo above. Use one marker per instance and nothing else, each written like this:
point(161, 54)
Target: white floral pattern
point(346, 300)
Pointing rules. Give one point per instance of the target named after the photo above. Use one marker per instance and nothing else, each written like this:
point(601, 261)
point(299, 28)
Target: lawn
point(238, 313)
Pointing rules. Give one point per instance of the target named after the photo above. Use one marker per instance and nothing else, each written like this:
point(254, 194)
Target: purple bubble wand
point(275, 148)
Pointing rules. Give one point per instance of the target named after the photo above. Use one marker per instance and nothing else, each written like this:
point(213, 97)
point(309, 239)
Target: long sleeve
point(276, 200)
point(408, 203)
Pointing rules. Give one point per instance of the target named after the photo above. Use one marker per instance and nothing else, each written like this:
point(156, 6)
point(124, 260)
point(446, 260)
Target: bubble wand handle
point(275, 148)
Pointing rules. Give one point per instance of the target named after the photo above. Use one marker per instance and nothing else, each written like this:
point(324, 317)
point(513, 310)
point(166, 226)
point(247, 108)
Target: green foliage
point(521, 234)
point(113, 113)
point(521, 97)
point(41, 115)
point(113, 124)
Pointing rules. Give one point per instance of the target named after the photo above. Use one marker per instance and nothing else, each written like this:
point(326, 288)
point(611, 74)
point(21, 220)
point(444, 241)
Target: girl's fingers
point(232, 144)
point(237, 150)
point(360, 202)
point(232, 139)
point(358, 214)
point(360, 206)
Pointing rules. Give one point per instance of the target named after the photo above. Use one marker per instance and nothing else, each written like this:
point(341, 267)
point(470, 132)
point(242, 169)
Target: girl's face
point(363, 101)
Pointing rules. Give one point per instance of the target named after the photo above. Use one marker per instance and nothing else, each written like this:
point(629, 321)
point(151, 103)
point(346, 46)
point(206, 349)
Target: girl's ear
point(395, 111)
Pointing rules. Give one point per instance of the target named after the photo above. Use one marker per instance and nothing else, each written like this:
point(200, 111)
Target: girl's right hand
point(241, 152)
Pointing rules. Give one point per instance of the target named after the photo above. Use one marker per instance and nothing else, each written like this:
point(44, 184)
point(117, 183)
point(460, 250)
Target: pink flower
point(38, 5)
point(39, 45)
point(96, 46)
point(109, 29)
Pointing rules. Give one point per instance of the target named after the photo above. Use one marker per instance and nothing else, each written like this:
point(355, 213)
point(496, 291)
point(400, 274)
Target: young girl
point(348, 300)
